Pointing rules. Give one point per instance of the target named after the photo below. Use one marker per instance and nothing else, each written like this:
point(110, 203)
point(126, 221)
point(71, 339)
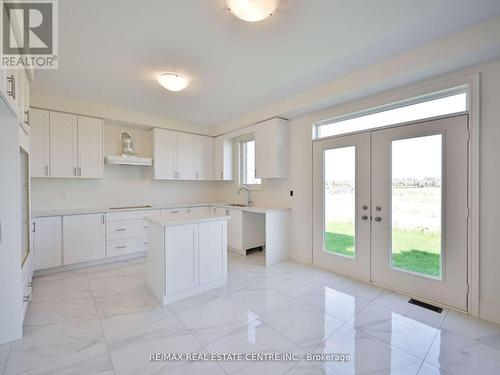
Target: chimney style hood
point(128, 156)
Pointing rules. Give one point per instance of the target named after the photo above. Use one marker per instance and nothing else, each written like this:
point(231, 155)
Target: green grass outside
point(413, 250)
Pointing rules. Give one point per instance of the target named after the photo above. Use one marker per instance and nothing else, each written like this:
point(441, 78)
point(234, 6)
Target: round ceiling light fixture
point(252, 10)
point(172, 81)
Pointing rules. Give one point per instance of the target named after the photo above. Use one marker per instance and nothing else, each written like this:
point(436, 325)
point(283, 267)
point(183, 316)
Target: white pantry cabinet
point(83, 238)
point(271, 149)
point(39, 155)
point(204, 169)
point(47, 242)
point(66, 145)
point(223, 159)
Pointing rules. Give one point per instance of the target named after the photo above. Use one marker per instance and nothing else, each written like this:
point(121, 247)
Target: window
point(247, 162)
point(437, 104)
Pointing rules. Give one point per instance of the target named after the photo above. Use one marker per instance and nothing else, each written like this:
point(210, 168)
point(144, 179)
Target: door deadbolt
point(378, 219)
point(378, 208)
point(364, 217)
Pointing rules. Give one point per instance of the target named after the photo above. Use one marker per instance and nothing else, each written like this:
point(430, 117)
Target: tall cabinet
point(66, 145)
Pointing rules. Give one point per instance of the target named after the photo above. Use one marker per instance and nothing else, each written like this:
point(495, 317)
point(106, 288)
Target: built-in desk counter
point(186, 254)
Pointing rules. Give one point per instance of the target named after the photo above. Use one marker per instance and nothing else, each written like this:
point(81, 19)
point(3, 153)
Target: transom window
point(247, 162)
point(432, 105)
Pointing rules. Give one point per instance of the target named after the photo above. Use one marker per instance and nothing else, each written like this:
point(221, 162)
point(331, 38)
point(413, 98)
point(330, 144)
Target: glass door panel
point(340, 201)
point(416, 205)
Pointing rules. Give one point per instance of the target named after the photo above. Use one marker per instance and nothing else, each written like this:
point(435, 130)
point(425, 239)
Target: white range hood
point(128, 160)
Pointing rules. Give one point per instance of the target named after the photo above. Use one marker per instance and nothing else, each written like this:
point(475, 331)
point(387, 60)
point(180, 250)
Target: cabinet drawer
point(126, 229)
point(130, 215)
point(126, 246)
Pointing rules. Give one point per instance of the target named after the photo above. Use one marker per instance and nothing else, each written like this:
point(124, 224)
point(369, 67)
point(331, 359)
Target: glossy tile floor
point(104, 320)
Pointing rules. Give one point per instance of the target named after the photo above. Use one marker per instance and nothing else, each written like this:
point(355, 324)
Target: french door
point(390, 207)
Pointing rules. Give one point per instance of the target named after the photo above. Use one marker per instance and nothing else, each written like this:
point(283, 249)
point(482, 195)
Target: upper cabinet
point(223, 158)
point(271, 149)
point(181, 156)
point(204, 165)
point(66, 145)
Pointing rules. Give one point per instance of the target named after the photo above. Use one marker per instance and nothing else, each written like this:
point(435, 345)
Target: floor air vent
point(427, 306)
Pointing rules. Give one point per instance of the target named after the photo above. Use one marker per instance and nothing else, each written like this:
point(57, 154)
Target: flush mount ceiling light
point(252, 10)
point(172, 81)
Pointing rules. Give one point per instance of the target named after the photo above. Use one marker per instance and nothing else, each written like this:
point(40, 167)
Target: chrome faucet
point(249, 201)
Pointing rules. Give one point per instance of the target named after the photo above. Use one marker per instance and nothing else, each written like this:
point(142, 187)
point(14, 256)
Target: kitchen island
point(186, 254)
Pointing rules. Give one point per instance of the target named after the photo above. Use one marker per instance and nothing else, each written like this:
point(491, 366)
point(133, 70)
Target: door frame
point(472, 83)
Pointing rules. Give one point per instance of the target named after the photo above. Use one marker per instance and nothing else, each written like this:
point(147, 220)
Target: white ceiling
point(111, 51)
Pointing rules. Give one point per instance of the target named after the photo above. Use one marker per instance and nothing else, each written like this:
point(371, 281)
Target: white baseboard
point(489, 311)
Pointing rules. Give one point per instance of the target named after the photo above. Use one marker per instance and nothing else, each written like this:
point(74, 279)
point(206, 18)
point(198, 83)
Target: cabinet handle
point(120, 230)
point(196, 175)
point(145, 243)
point(46, 170)
point(102, 219)
point(222, 175)
point(227, 212)
point(12, 80)
point(80, 171)
point(34, 227)
point(174, 212)
point(74, 172)
point(121, 247)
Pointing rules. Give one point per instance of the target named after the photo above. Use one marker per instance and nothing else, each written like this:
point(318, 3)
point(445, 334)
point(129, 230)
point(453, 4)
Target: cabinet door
point(185, 157)
point(223, 157)
point(89, 147)
point(271, 149)
point(213, 251)
point(63, 144)
point(47, 242)
point(83, 238)
point(39, 155)
point(234, 232)
point(164, 145)
point(182, 257)
point(204, 158)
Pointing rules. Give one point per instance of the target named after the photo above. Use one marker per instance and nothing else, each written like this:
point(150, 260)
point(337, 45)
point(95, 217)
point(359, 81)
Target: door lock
point(364, 217)
point(378, 219)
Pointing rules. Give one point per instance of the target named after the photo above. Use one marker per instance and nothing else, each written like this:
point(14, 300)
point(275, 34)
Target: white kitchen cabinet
point(39, 155)
point(185, 156)
point(66, 145)
point(204, 163)
point(90, 158)
point(47, 242)
point(63, 144)
point(177, 156)
point(164, 149)
point(83, 238)
point(234, 229)
point(182, 250)
point(271, 149)
point(223, 159)
point(213, 251)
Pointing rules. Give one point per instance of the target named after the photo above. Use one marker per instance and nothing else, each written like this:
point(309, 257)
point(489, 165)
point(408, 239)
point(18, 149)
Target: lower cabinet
point(83, 238)
point(213, 251)
point(181, 251)
point(47, 242)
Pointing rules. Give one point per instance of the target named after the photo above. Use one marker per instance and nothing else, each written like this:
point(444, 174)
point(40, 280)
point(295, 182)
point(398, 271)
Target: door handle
point(378, 219)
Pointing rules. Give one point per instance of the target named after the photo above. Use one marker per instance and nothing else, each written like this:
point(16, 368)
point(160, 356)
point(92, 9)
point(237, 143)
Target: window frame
point(430, 96)
point(242, 162)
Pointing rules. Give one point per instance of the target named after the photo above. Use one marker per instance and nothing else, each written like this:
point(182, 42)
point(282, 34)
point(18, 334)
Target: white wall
point(121, 185)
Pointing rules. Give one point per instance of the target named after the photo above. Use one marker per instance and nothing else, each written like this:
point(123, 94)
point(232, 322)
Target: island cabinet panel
point(213, 254)
point(182, 257)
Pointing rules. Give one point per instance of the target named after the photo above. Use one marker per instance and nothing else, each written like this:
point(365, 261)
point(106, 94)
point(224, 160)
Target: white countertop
point(99, 210)
point(185, 218)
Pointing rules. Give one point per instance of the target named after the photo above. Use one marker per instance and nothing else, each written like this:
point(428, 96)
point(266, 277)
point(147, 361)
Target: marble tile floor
point(104, 320)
